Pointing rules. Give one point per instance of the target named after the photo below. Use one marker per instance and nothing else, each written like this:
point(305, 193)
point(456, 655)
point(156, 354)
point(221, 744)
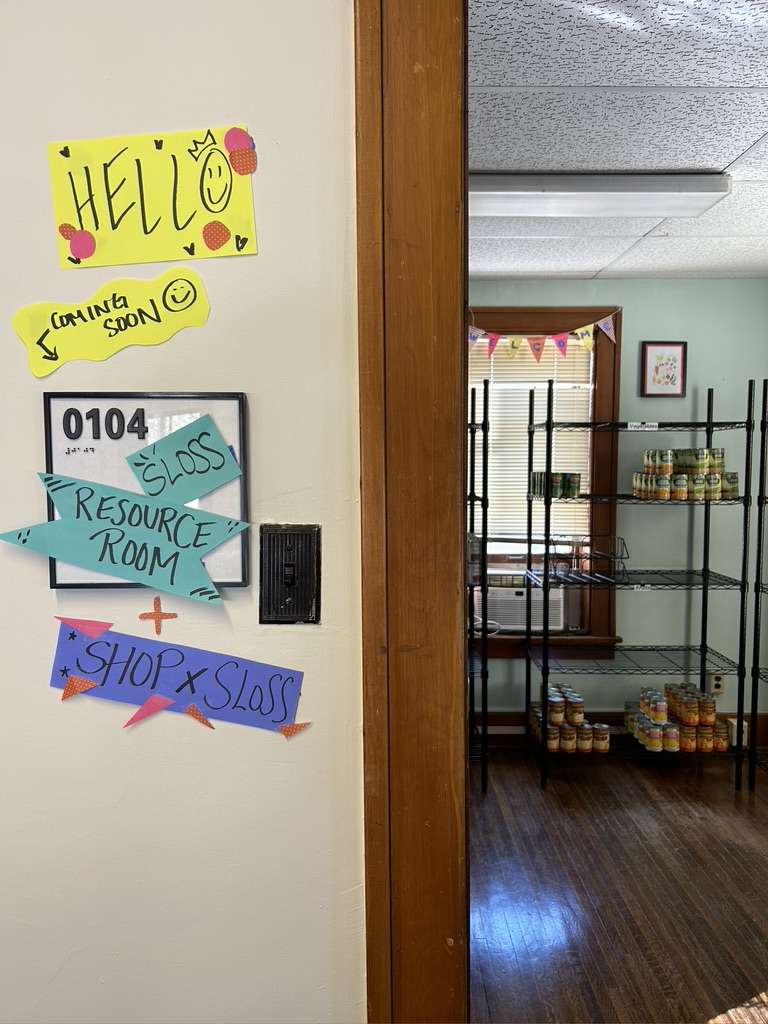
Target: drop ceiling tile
point(560, 227)
point(623, 42)
point(532, 257)
point(753, 165)
point(612, 130)
point(693, 257)
point(743, 212)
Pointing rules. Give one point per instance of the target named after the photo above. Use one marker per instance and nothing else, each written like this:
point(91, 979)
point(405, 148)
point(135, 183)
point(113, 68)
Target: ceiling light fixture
point(595, 195)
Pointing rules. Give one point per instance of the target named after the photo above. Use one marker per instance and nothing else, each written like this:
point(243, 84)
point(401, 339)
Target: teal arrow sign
point(128, 535)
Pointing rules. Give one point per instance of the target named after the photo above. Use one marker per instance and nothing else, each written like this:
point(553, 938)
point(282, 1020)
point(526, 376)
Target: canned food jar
point(556, 485)
point(553, 738)
point(584, 738)
point(556, 709)
point(658, 709)
point(680, 487)
point(717, 460)
point(640, 728)
point(730, 485)
point(720, 738)
point(636, 485)
point(689, 709)
point(705, 739)
point(567, 739)
point(574, 710)
point(662, 488)
point(653, 737)
point(649, 460)
point(629, 710)
point(650, 486)
point(707, 710)
point(702, 460)
point(713, 487)
point(601, 738)
point(671, 737)
point(697, 490)
point(571, 485)
point(664, 463)
point(688, 739)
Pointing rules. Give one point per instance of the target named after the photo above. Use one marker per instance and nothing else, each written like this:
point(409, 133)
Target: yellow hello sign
point(121, 313)
point(150, 198)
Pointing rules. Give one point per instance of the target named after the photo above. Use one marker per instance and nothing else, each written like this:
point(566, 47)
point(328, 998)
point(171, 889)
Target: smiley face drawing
point(215, 181)
point(179, 294)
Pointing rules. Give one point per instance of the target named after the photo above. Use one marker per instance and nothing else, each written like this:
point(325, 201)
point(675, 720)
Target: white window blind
point(510, 381)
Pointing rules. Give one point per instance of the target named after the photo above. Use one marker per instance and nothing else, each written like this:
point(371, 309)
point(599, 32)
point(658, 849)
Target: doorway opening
point(614, 723)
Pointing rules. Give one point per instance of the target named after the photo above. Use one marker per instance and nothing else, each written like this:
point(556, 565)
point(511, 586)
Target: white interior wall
point(167, 873)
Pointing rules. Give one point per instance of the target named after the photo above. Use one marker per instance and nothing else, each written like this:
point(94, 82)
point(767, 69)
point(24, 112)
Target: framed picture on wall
point(663, 369)
point(89, 435)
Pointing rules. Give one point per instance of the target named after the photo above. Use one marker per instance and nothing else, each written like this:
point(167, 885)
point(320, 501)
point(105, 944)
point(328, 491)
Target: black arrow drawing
point(51, 354)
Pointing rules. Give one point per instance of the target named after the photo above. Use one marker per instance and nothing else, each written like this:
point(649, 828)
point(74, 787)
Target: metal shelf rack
point(637, 579)
point(477, 667)
point(542, 651)
point(758, 674)
point(630, 499)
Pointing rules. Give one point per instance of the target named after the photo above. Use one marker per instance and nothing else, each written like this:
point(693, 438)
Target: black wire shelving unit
point(760, 588)
point(543, 652)
point(477, 580)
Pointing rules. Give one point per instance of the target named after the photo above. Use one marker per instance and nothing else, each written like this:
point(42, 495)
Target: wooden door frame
point(411, 231)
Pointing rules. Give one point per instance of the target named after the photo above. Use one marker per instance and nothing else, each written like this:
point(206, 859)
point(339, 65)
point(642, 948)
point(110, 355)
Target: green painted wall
point(725, 323)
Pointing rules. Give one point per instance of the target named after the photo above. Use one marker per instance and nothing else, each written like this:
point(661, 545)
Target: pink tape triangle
point(150, 706)
point(89, 627)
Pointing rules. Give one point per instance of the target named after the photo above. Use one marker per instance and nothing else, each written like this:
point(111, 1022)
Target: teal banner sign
point(192, 461)
point(131, 536)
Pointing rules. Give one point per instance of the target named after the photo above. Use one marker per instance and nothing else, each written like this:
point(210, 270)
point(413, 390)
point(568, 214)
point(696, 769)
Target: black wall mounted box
point(290, 574)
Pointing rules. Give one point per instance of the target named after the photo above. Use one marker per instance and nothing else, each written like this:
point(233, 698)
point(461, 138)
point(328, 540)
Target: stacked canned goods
point(561, 485)
point(685, 474)
point(567, 730)
point(682, 718)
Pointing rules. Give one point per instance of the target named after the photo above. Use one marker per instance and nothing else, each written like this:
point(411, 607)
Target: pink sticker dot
point(236, 138)
point(82, 244)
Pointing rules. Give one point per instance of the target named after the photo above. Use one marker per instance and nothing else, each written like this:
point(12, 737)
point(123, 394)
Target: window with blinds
point(510, 382)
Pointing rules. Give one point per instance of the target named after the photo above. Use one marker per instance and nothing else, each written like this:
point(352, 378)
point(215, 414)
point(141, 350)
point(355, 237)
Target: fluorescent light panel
point(595, 195)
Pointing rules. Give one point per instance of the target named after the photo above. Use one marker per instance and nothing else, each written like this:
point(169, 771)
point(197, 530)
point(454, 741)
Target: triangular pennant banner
point(561, 343)
point(75, 685)
point(150, 706)
point(514, 343)
point(88, 627)
point(606, 326)
point(586, 335)
point(291, 730)
point(536, 346)
point(194, 711)
point(493, 341)
point(473, 334)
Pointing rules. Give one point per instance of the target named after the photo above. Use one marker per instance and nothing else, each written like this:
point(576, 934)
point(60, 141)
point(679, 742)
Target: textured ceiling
point(613, 129)
point(621, 42)
point(618, 86)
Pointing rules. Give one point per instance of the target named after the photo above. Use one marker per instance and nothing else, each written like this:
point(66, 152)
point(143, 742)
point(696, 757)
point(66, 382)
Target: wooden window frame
point(600, 605)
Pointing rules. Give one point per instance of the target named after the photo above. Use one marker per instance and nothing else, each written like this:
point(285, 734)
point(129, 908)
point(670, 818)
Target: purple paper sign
point(129, 669)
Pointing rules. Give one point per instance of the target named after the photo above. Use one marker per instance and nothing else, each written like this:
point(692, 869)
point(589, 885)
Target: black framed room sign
point(89, 435)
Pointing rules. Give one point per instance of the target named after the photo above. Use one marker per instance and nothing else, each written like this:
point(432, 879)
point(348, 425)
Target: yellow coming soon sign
point(121, 313)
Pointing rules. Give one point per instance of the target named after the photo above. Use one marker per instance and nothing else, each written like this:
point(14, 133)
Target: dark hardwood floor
point(625, 892)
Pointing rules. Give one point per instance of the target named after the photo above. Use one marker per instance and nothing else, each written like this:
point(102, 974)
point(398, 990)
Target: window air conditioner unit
point(506, 605)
